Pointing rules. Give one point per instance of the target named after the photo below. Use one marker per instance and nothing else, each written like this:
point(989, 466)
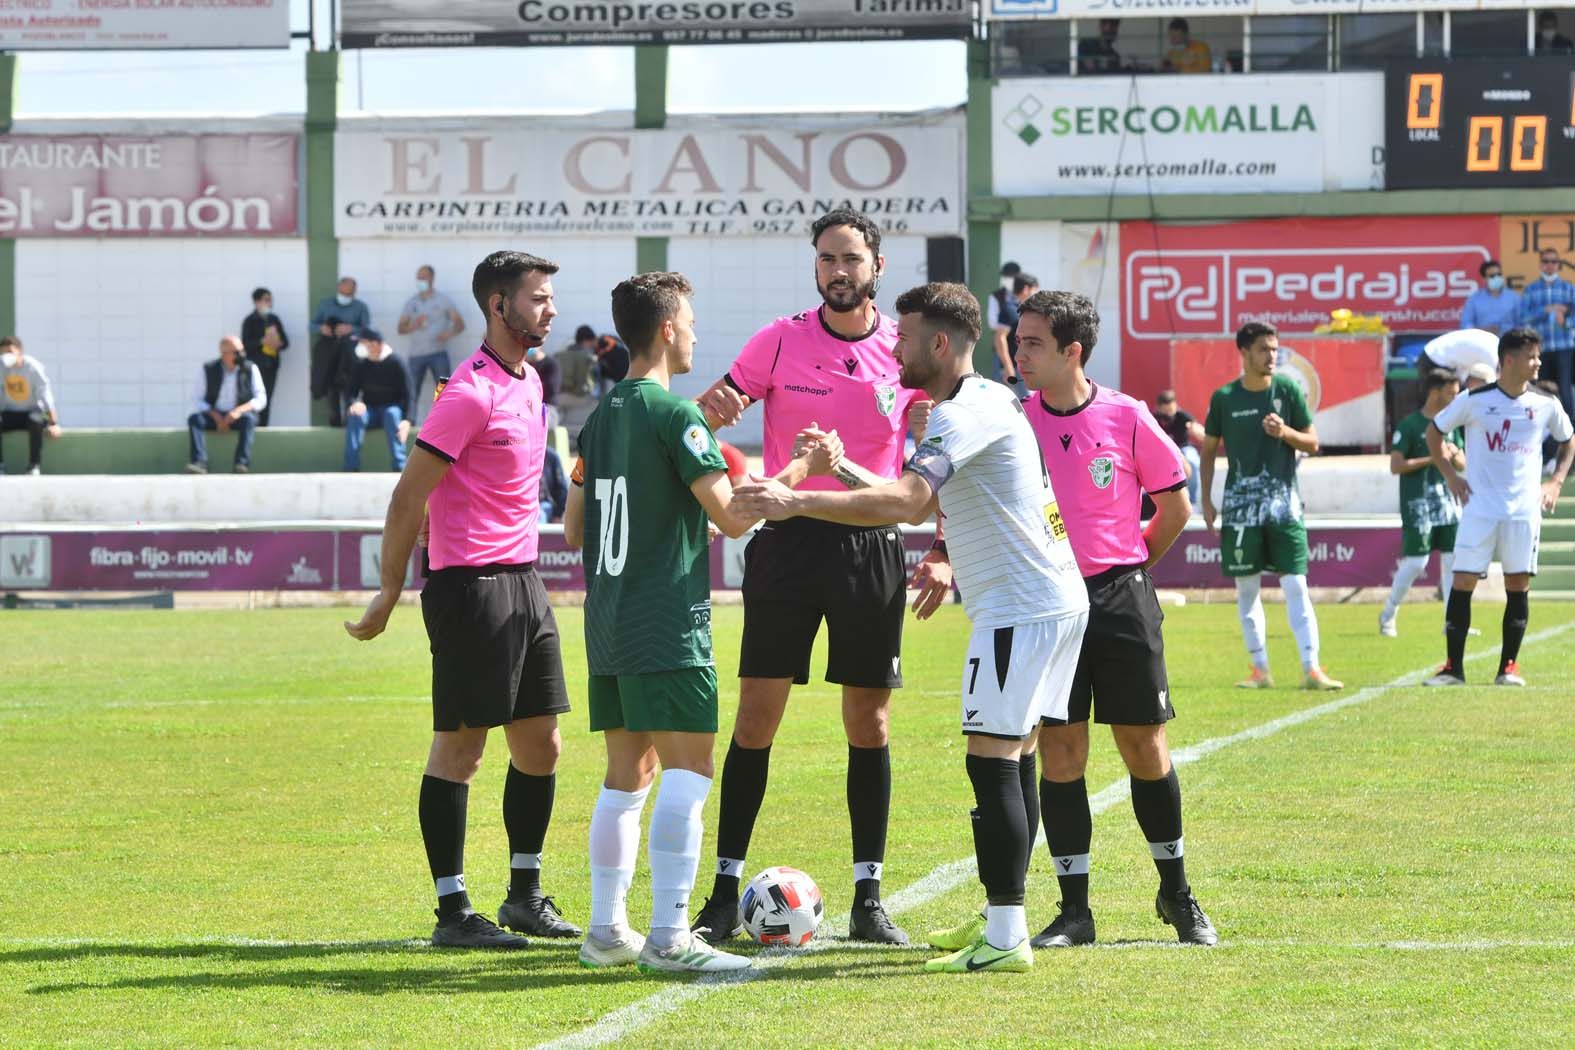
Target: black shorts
point(799, 571)
point(495, 650)
point(1122, 665)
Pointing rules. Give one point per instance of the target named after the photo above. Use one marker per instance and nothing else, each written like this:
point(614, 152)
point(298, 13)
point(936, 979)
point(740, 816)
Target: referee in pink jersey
point(476, 472)
point(831, 367)
point(1105, 450)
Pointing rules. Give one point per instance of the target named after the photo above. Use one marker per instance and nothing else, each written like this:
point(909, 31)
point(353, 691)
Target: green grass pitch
point(208, 838)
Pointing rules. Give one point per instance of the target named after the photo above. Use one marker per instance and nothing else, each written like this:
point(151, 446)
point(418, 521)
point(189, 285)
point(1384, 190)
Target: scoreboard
point(1466, 123)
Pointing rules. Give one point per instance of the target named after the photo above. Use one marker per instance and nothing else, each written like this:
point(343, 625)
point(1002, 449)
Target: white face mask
point(1551, 276)
point(344, 300)
point(10, 359)
point(423, 287)
point(1549, 34)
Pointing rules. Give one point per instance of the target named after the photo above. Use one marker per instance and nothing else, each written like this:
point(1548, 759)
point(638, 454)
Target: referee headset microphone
point(529, 338)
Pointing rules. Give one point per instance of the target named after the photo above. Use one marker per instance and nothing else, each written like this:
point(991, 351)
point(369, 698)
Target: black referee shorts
point(495, 649)
point(800, 571)
point(1121, 672)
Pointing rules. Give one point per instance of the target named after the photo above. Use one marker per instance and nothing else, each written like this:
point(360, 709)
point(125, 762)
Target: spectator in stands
point(338, 321)
point(1493, 307)
point(612, 363)
point(229, 396)
point(1186, 55)
point(430, 319)
point(1098, 54)
point(1548, 307)
point(546, 368)
point(26, 402)
point(263, 339)
point(1001, 314)
point(577, 370)
point(1549, 40)
point(379, 396)
point(1185, 432)
point(1023, 285)
point(554, 493)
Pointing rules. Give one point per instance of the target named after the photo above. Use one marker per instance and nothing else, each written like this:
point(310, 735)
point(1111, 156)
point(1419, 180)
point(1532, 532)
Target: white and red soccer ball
point(782, 906)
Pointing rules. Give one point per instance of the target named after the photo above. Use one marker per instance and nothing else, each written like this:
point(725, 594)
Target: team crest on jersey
point(1103, 470)
point(698, 438)
point(885, 399)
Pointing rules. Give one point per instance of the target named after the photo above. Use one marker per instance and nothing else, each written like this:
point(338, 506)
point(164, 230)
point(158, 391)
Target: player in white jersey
point(1503, 493)
point(979, 461)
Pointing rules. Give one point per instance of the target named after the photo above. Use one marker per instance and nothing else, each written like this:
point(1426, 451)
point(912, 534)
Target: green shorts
point(1246, 550)
point(681, 701)
point(1419, 541)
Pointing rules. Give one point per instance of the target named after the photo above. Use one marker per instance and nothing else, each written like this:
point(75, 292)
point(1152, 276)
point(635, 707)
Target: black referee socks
point(869, 807)
point(744, 774)
point(1000, 828)
point(1157, 804)
point(442, 811)
point(1069, 830)
point(527, 810)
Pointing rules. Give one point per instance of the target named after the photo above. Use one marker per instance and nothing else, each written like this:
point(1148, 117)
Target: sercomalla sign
point(147, 186)
point(711, 182)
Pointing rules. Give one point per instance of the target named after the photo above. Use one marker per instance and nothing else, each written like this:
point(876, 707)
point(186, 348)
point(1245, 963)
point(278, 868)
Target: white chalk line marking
point(618, 1024)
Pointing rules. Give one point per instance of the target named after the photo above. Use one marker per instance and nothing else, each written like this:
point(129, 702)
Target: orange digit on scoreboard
point(1425, 101)
point(1493, 127)
point(1532, 130)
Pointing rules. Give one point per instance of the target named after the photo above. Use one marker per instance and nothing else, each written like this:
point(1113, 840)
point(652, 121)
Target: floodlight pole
point(322, 246)
point(7, 245)
point(984, 230)
point(650, 111)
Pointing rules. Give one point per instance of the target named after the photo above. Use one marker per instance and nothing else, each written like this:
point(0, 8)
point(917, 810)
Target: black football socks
point(1069, 830)
point(442, 810)
point(1517, 612)
point(527, 810)
point(1457, 624)
point(744, 775)
point(1000, 828)
point(869, 807)
point(1157, 804)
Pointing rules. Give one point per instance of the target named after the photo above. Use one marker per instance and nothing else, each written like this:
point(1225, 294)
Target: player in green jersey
point(1264, 421)
point(650, 476)
point(1429, 512)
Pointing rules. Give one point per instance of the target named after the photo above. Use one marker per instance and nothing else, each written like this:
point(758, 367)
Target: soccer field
point(208, 837)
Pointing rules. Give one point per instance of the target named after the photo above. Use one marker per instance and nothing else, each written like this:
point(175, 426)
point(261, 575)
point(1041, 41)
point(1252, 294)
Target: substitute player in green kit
point(649, 477)
point(1264, 421)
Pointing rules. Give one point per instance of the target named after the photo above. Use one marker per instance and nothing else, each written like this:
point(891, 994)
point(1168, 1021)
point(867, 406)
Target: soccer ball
point(782, 906)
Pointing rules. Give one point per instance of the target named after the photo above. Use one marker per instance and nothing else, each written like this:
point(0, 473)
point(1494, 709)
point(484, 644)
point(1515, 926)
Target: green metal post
point(8, 245)
point(650, 111)
point(322, 247)
point(984, 232)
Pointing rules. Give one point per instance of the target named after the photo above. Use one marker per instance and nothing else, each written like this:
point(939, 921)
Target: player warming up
point(1502, 500)
point(830, 366)
point(1105, 450)
point(1264, 422)
point(650, 475)
point(1019, 581)
point(1429, 512)
point(476, 469)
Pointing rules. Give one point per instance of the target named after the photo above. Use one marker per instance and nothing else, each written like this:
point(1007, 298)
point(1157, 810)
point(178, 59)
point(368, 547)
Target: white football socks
point(674, 851)
point(1406, 573)
point(1249, 610)
point(615, 846)
point(1005, 925)
point(1304, 622)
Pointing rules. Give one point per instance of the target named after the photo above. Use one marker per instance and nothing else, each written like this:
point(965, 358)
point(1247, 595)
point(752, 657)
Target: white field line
point(619, 1024)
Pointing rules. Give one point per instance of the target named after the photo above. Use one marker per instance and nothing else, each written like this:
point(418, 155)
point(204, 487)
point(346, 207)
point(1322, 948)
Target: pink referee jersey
point(806, 373)
point(490, 424)
point(1102, 457)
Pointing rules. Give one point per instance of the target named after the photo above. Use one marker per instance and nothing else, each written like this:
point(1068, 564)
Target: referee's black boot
point(536, 915)
point(1071, 928)
point(869, 922)
point(1186, 915)
point(718, 921)
point(471, 929)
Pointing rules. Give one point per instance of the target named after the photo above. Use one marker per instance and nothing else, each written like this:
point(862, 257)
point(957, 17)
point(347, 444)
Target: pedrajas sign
point(746, 181)
point(148, 185)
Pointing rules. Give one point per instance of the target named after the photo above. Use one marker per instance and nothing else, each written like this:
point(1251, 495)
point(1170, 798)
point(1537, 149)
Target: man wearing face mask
point(1548, 307)
point(338, 321)
point(496, 661)
point(262, 336)
point(1549, 40)
point(1493, 307)
point(26, 402)
point(430, 319)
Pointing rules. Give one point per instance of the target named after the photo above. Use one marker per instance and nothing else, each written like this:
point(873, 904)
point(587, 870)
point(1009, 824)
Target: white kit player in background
point(979, 461)
point(1502, 493)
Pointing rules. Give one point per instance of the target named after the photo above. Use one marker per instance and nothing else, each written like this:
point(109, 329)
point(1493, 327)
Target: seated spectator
point(1549, 40)
point(1098, 54)
point(1185, 432)
point(612, 363)
point(26, 402)
point(577, 370)
point(229, 396)
point(1186, 55)
point(263, 339)
point(554, 492)
point(338, 321)
point(379, 396)
point(547, 370)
